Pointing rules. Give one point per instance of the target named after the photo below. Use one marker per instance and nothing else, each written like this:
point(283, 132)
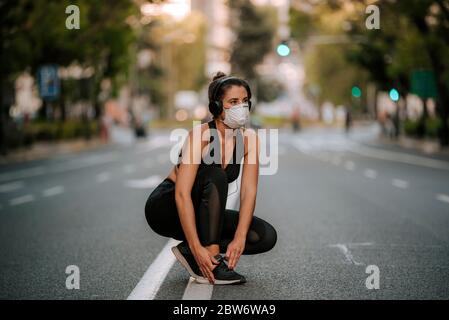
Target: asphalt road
point(339, 203)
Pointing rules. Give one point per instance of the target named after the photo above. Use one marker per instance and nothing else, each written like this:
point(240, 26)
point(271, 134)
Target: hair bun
point(219, 75)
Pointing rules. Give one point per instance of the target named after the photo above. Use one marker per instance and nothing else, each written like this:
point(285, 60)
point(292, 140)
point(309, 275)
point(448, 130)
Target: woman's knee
point(268, 238)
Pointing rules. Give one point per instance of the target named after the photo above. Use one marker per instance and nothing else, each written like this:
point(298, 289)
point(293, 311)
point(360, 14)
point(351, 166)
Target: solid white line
point(443, 197)
point(103, 177)
point(370, 173)
point(197, 291)
point(53, 191)
point(153, 278)
point(22, 199)
point(402, 184)
point(12, 186)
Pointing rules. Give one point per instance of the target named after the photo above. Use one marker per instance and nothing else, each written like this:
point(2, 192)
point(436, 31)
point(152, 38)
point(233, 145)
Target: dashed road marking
point(22, 199)
point(401, 184)
point(443, 197)
point(370, 173)
point(53, 191)
point(148, 183)
point(348, 255)
point(12, 186)
point(349, 165)
point(153, 278)
point(103, 177)
point(129, 168)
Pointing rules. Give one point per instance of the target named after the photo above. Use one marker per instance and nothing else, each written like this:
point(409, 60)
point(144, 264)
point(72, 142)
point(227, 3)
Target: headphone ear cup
point(215, 107)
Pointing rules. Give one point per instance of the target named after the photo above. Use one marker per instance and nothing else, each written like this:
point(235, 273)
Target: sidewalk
point(427, 146)
point(42, 150)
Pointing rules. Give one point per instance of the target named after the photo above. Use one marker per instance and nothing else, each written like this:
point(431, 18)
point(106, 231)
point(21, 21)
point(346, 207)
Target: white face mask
point(236, 116)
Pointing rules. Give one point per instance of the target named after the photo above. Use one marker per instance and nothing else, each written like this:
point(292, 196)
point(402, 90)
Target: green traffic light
point(283, 50)
point(394, 95)
point(356, 92)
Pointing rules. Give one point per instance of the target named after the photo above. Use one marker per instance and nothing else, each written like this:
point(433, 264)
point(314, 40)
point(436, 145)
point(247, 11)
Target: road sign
point(423, 84)
point(48, 82)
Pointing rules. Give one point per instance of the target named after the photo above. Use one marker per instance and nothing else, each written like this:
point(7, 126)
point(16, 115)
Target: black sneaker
point(184, 255)
point(224, 275)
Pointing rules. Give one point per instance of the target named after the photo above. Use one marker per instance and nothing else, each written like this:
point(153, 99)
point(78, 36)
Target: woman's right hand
point(205, 261)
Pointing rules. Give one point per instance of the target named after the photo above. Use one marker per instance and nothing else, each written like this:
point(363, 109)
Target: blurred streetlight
point(178, 9)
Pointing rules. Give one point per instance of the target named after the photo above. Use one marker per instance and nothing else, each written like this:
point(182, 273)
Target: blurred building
point(219, 37)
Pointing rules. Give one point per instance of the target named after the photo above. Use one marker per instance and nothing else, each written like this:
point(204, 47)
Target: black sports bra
point(232, 169)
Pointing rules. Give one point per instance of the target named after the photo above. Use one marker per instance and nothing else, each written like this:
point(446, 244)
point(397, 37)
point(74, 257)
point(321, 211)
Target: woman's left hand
point(234, 251)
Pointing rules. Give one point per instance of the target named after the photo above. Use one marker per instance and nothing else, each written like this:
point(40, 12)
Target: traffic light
point(356, 92)
point(283, 49)
point(394, 95)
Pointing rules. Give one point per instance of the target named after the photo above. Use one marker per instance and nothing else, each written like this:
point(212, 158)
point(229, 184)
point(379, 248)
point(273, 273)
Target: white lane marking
point(401, 184)
point(103, 177)
point(400, 157)
point(60, 168)
point(12, 186)
point(348, 255)
point(129, 168)
point(147, 164)
point(24, 173)
point(162, 158)
point(147, 183)
point(197, 291)
point(349, 165)
point(370, 173)
point(53, 191)
point(443, 197)
point(153, 144)
point(282, 150)
point(153, 278)
point(336, 161)
point(21, 200)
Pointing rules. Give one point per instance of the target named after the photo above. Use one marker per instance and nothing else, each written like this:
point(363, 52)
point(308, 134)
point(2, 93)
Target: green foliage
point(430, 128)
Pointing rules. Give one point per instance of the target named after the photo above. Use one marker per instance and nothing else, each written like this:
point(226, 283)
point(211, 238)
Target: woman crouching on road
point(190, 204)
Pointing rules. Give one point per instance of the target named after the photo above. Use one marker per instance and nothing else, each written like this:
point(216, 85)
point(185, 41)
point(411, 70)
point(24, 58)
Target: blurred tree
point(325, 57)
point(254, 29)
point(413, 35)
point(180, 56)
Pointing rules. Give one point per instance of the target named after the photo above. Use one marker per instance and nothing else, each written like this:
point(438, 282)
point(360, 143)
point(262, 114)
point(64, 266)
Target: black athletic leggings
point(215, 224)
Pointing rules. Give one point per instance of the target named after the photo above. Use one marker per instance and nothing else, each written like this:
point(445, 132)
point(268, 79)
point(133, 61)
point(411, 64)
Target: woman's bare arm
point(248, 193)
point(185, 178)
point(184, 182)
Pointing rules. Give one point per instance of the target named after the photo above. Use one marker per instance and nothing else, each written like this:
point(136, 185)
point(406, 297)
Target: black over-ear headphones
point(216, 105)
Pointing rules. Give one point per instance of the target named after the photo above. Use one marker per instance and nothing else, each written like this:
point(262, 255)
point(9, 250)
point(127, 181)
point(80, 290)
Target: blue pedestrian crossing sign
point(48, 82)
